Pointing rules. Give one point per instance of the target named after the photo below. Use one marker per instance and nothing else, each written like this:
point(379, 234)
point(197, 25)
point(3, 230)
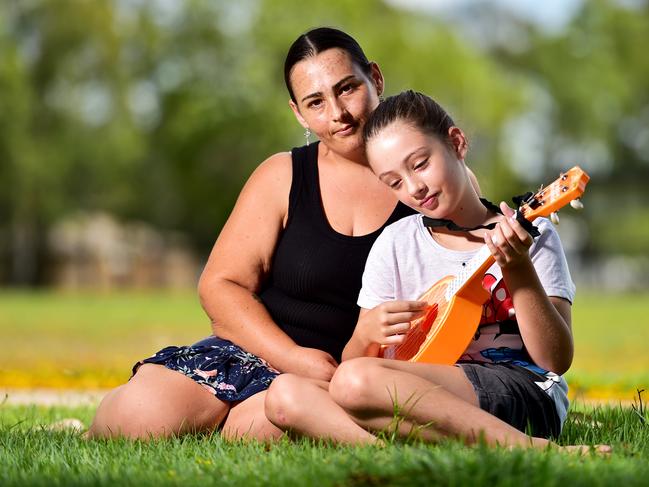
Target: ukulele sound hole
point(429, 318)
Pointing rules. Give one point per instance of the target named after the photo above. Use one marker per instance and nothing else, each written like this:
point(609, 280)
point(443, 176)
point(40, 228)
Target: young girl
point(509, 379)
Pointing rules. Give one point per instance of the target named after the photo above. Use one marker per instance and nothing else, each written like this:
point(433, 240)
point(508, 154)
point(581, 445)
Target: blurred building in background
point(95, 251)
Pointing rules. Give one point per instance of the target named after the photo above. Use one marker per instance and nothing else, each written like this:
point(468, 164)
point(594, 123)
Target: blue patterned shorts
point(220, 366)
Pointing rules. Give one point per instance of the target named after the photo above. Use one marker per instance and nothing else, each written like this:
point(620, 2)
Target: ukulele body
point(445, 331)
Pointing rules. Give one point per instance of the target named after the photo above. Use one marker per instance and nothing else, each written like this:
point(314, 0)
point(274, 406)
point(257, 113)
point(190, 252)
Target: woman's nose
point(338, 109)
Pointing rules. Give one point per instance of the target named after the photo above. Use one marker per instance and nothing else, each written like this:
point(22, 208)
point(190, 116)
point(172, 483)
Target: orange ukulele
point(455, 302)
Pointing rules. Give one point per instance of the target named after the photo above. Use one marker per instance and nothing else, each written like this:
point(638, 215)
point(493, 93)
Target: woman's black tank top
point(316, 273)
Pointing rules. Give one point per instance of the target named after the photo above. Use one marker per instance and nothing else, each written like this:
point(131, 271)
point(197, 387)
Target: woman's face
point(424, 172)
point(334, 98)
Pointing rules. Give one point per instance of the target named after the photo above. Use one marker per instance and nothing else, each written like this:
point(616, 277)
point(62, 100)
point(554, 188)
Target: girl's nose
point(416, 187)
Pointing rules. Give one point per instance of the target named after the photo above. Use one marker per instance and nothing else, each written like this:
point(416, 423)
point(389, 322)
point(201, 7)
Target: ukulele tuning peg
point(577, 204)
point(554, 217)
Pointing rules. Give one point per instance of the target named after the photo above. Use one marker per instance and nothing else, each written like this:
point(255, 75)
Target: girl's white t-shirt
point(405, 262)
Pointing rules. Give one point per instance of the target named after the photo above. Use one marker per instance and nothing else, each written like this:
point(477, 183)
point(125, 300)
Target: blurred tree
point(66, 136)
point(160, 110)
point(590, 106)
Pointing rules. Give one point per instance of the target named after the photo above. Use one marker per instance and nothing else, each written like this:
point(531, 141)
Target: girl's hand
point(509, 242)
point(387, 323)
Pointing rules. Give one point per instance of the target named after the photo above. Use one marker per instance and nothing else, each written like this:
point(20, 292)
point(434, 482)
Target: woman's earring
point(307, 134)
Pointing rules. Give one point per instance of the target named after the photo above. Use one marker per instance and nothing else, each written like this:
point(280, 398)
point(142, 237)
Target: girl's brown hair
point(413, 108)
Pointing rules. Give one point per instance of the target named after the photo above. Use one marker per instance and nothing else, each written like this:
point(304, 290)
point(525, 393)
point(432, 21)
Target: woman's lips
point(347, 130)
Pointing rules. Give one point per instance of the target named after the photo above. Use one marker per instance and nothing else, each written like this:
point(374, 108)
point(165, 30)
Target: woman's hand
point(310, 362)
point(509, 242)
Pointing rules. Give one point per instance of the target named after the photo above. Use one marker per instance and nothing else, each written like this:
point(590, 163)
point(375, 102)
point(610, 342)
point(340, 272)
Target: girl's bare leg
point(437, 397)
point(304, 407)
point(157, 402)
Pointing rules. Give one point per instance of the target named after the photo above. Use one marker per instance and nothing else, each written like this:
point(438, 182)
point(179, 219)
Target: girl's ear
point(458, 142)
point(298, 115)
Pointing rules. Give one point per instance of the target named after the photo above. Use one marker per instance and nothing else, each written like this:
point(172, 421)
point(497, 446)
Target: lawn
point(91, 340)
point(611, 335)
point(31, 455)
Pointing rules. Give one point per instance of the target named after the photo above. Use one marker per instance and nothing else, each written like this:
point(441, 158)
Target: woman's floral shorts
point(221, 367)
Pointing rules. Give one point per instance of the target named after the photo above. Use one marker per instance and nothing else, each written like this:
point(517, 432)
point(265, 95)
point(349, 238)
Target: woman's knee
point(284, 400)
point(354, 382)
point(157, 402)
point(116, 415)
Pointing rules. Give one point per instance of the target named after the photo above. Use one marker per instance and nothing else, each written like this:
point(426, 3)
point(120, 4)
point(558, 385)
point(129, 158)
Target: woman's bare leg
point(438, 398)
point(304, 407)
point(157, 402)
point(247, 420)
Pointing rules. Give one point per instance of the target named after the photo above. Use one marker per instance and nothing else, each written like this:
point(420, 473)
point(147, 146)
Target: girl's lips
point(429, 202)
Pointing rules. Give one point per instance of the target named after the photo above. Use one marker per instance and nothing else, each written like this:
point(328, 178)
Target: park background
point(128, 127)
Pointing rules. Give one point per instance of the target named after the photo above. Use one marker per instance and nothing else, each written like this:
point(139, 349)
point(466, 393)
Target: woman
point(284, 274)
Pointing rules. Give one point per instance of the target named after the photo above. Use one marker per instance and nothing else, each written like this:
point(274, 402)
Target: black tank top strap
point(302, 196)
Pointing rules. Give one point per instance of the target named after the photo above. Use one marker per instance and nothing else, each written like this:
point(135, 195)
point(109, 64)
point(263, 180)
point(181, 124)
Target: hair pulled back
point(318, 40)
point(413, 108)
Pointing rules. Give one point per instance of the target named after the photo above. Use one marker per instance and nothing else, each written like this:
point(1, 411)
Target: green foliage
point(596, 75)
point(159, 111)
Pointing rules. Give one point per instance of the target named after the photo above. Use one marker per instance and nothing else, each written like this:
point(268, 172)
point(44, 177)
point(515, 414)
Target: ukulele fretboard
point(468, 271)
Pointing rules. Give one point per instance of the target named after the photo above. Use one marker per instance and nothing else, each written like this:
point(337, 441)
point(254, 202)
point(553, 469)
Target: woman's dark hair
point(318, 40)
point(413, 108)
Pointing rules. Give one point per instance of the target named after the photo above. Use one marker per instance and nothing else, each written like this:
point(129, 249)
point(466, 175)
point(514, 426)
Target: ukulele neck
point(474, 269)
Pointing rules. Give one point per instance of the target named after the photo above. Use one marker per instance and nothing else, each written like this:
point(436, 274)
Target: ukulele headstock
point(567, 188)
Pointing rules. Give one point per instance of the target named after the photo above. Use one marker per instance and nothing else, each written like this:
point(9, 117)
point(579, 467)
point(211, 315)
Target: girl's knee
point(354, 382)
point(284, 399)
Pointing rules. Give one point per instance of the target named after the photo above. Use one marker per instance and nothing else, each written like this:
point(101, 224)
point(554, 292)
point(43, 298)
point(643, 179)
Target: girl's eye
point(421, 165)
point(395, 184)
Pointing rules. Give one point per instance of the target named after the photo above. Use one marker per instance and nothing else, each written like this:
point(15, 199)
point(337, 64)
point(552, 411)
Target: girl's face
point(425, 173)
point(335, 98)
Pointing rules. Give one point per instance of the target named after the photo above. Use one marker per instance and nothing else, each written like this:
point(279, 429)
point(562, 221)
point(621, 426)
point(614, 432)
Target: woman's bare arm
point(239, 264)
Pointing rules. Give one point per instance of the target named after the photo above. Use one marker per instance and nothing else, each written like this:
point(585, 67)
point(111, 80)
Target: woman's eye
point(395, 184)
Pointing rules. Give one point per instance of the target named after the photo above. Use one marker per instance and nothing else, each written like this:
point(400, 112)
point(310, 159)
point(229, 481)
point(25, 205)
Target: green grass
point(91, 340)
point(31, 455)
point(611, 334)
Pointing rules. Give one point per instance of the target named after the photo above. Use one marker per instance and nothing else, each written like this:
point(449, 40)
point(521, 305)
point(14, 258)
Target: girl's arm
point(544, 322)
point(239, 264)
point(384, 324)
